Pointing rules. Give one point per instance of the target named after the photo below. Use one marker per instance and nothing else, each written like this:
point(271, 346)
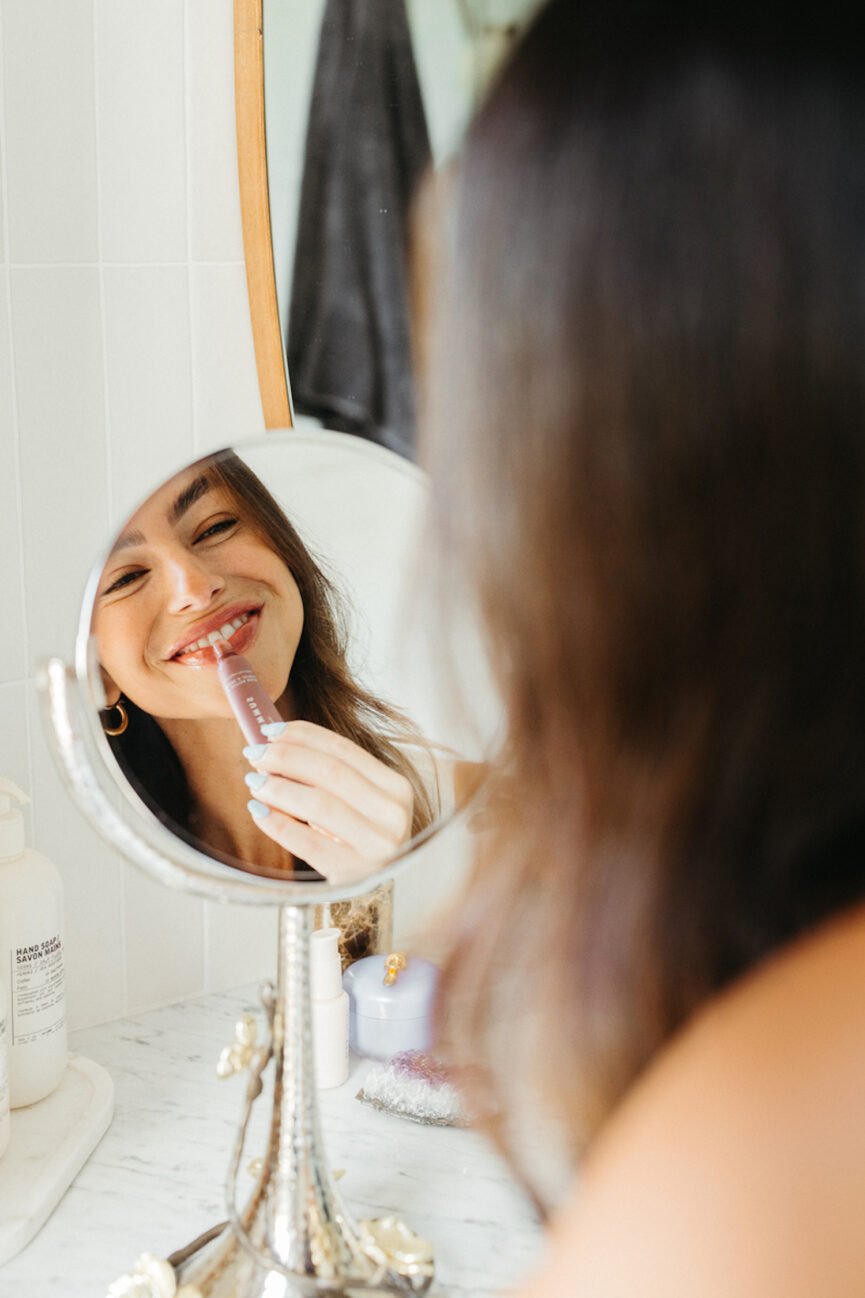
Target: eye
point(215, 529)
point(125, 579)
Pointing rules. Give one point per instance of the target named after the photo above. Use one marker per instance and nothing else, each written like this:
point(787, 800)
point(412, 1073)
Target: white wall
point(125, 349)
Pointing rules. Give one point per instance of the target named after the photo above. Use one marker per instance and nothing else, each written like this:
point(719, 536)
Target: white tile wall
point(164, 943)
point(235, 938)
point(214, 213)
point(125, 349)
point(14, 741)
point(57, 343)
point(49, 124)
point(13, 650)
point(2, 169)
point(149, 378)
point(225, 384)
point(141, 130)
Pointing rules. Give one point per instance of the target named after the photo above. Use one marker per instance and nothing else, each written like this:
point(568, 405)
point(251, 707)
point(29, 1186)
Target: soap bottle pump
point(31, 956)
point(329, 1009)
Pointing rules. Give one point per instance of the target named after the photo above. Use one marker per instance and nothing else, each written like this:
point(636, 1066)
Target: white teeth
point(224, 633)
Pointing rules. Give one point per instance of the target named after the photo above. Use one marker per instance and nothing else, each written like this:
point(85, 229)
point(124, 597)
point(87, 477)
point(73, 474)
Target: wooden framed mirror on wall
point(341, 105)
point(255, 214)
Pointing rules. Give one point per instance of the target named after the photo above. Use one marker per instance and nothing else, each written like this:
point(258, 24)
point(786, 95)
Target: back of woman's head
point(646, 425)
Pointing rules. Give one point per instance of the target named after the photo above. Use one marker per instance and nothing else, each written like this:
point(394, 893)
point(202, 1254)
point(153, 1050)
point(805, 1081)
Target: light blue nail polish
point(254, 752)
point(273, 729)
point(255, 779)
point(257, 809)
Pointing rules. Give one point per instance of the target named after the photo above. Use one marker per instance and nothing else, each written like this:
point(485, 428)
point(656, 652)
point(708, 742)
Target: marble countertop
point(155, 1181)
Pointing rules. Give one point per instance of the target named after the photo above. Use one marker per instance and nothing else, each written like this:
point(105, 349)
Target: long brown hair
point(644, 416)
point(323, 688)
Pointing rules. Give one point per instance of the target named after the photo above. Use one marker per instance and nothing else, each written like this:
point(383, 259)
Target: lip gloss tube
point(249, 702)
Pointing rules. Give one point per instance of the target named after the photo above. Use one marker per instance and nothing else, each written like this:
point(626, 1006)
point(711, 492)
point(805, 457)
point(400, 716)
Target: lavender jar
point(391, 1001)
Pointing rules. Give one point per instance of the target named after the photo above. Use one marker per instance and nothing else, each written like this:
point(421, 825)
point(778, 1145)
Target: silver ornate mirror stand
point(293, 1237)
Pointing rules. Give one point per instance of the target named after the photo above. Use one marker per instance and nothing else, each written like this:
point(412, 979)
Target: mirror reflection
point(361, 98)
point(240, 698)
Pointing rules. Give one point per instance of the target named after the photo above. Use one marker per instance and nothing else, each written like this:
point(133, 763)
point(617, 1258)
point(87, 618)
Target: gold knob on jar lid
point(393, 967)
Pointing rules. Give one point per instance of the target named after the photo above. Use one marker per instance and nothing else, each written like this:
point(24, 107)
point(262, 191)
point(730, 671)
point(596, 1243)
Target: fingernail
point(257, 809)
point(254, 752)
point(255, 779)
point(273, 729)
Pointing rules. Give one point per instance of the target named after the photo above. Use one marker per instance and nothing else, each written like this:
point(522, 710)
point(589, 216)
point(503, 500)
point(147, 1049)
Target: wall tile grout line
point(5, 207)
point(190, 286)
point(123, 265)
point(204, 971)
point(124, 972)
point(16, 437)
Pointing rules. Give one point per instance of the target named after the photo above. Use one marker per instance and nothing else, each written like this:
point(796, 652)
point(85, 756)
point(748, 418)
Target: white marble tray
point(49, 1145)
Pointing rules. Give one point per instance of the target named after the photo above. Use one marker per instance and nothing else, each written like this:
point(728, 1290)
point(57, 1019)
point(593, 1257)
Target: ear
point(110, 689)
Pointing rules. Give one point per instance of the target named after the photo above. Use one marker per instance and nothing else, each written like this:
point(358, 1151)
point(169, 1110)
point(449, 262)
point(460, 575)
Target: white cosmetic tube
point(329, 1009)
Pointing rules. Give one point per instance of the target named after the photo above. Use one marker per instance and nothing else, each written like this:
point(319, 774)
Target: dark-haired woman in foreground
point(645, 355)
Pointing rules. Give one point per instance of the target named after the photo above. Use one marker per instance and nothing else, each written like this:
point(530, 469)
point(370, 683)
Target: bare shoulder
point(737, 1165)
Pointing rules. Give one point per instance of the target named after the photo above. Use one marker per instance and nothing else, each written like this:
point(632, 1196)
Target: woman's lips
point(226, 621)
point(240, 640)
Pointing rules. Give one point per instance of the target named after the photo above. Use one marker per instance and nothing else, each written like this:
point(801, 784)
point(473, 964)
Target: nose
point(192, 585)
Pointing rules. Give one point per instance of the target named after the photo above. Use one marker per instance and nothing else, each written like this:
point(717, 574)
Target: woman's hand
point(328, 801)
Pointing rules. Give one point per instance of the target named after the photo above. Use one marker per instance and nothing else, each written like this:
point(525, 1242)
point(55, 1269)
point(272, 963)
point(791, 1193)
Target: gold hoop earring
point(122, 723)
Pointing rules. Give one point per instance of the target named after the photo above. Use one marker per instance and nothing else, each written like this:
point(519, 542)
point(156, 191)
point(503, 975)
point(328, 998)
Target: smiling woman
point(189, 567)
point(211, 556)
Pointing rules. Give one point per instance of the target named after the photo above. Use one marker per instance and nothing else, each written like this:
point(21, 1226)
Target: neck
point(211, 754)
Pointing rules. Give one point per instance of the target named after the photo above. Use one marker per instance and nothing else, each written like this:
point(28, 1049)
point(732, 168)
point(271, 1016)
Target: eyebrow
point(187, 498)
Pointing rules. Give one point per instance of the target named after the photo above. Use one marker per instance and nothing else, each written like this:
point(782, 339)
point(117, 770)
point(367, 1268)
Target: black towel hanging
point(349, 353)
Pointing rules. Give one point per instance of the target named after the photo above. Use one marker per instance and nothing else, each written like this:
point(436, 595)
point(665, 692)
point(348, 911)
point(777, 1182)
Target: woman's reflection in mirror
point(212, 552)
point(645, 423)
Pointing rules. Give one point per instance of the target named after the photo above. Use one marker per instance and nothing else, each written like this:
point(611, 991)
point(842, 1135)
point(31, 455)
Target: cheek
point(110, 645)
point(121, 643)
point(276, 670)
point(296, 613)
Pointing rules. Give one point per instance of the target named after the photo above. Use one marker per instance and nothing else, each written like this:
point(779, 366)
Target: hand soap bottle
point(31, 956)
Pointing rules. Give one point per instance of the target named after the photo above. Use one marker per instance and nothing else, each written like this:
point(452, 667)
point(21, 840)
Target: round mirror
point(259, 675)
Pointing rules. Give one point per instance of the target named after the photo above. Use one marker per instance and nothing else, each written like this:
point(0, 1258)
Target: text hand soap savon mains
point(31, 952)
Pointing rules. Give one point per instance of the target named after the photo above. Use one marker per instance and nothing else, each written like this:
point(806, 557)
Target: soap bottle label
point(38, 999)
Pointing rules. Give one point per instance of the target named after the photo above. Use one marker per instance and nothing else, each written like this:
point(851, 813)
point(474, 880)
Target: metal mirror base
point(294, 1236)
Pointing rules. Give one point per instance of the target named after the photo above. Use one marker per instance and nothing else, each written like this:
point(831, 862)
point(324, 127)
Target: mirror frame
point(73, 697)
